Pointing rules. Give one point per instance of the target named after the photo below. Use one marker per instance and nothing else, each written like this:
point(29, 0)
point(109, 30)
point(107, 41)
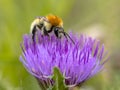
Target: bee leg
point(45, 31)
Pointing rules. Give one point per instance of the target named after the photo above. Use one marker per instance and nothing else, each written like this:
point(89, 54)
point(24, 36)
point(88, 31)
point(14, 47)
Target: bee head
point(59, 31)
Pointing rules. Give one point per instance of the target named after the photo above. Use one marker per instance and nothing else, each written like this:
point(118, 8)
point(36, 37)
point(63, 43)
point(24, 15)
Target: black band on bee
point(51, 29)
point(45, 32)
point(33, 33)
point(39, 26)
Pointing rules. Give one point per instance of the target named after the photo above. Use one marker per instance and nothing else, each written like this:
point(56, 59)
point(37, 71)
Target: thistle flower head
point(76, 62)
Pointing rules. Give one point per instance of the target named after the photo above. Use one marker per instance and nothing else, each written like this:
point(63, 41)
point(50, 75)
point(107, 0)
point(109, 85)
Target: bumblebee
point(48, 24)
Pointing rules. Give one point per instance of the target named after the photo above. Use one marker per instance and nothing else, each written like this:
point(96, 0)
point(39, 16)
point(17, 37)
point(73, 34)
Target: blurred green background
point(97, 18)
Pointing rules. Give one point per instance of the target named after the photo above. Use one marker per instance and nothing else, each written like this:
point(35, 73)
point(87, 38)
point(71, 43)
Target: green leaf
point(59, 80)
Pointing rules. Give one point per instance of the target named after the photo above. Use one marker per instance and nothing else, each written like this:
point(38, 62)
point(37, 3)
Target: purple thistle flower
point(77, 63)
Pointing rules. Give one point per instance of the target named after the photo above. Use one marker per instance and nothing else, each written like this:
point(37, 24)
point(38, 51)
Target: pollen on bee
point(55, 20)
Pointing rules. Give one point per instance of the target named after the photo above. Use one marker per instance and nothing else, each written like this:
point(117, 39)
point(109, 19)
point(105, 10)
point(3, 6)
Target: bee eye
point(56, 29)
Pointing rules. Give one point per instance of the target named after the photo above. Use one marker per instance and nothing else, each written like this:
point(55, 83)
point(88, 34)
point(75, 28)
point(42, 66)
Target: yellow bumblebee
point(47, 25)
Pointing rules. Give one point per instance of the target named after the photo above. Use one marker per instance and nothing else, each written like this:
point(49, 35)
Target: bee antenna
point(65, 34)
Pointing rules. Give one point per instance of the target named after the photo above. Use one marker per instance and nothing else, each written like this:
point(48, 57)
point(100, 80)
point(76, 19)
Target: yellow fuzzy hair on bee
point(55, 20)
